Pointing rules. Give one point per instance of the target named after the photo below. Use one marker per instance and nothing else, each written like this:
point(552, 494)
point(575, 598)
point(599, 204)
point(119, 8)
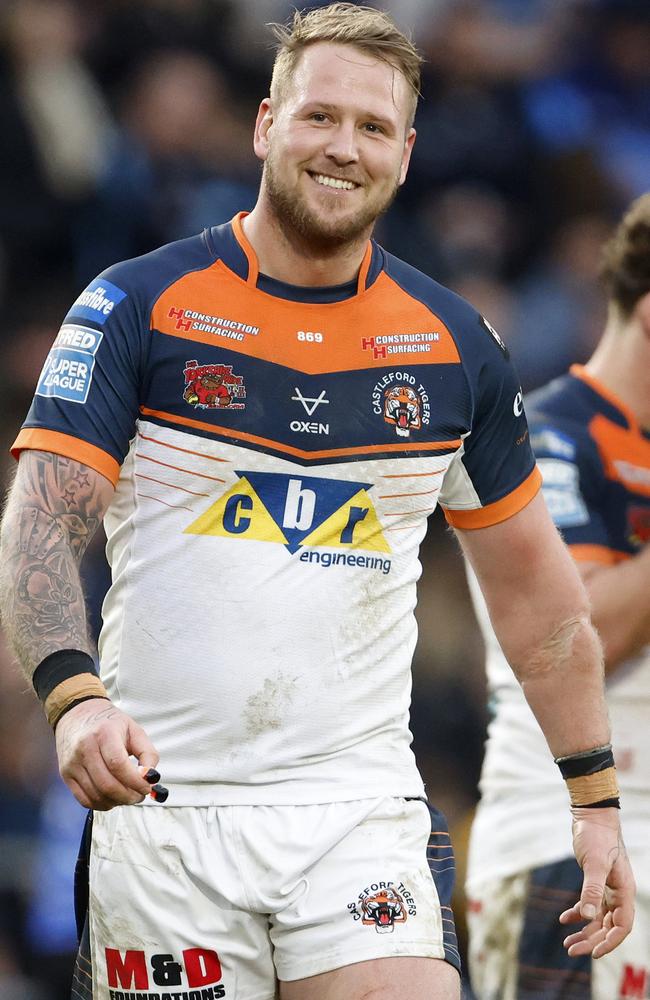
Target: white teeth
point(334, 182)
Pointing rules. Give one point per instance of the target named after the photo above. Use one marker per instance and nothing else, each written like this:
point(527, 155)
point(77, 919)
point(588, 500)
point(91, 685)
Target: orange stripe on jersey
point(412, 475)
point(178, 468)
point(420, 493)
point(598, 554)
point(624, 452)
point(298, 452)
point(499, 511)
point(186, 451)
point(171, 486)
point(383, 325)
point(38, 439)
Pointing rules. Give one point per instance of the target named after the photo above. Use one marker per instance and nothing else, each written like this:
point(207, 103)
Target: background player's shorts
point(201, 903)
point(515, 942)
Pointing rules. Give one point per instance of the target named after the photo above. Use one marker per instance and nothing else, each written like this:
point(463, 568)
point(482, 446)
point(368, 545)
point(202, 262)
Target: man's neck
point(283, 255)
point(621, 363)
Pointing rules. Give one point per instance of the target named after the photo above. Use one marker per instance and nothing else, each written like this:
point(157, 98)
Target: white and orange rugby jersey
point(595, 463)
point(276, 452)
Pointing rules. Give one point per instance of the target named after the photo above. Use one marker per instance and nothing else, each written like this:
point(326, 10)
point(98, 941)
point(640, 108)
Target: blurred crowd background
point(127, 123)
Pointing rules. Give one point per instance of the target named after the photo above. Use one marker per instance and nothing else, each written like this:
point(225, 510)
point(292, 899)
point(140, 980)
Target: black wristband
point(613, 803)
point(58, 667)
point(588, 762)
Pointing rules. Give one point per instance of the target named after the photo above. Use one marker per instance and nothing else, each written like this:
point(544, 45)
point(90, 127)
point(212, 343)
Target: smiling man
point(265, 416)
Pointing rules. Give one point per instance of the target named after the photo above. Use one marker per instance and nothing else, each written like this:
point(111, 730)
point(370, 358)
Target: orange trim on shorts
point(173, 418)
point(40, 439)
point(598, 554)
point(501, 510)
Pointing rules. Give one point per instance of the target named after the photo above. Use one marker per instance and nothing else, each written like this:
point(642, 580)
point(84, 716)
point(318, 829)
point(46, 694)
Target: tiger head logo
point(383, 910)
point(402, 407)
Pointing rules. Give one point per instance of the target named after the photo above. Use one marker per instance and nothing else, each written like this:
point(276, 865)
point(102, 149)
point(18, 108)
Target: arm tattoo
point(53, 511)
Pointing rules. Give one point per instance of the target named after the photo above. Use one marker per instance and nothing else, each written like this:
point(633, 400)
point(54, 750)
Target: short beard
point(296, 220)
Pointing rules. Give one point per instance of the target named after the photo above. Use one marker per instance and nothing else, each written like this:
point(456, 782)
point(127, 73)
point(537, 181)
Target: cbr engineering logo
point(300, 513)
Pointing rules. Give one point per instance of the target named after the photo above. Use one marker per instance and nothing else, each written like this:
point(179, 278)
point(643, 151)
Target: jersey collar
point(580, 372)
point(371, 266)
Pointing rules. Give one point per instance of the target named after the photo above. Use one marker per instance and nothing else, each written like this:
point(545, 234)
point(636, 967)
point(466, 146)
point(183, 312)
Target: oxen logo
point(213, 387)
point(384, 909)
point(403, 408)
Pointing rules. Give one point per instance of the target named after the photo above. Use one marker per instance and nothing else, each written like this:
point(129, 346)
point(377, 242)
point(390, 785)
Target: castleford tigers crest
point(213, 387)
point(384, 909)
point(383, 905)
point(403, 402)
point(402, 407)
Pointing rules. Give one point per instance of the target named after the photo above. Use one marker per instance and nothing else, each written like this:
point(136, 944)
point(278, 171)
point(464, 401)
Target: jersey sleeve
point(493, 475)
point(88, 393)
point(572, 484)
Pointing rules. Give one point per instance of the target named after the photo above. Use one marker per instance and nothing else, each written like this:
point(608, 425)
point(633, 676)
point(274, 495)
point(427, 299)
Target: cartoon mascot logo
point(213, 387)
point(402, 407)
point(383, 910)
point(638, 519)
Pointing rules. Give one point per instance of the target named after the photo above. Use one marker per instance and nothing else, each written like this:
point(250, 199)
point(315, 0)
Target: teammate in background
point(590, 431)
point(259, 629)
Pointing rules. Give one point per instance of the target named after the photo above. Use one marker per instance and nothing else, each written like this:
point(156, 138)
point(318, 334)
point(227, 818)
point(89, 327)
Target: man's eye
point(372, 127)
point(318, 116)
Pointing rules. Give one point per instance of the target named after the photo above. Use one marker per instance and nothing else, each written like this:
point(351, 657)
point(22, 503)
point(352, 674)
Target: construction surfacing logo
point(302, 513)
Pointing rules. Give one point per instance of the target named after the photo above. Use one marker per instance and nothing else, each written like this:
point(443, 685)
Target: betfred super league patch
point(68, 369)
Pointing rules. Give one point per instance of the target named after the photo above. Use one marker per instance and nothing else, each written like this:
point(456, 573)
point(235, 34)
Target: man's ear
point(642, 309)
point(263, 123)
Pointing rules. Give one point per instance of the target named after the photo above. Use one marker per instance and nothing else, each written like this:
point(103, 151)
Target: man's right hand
point(95, 742)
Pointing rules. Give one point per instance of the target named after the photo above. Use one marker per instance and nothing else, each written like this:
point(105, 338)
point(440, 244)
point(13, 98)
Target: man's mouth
point(334, 182)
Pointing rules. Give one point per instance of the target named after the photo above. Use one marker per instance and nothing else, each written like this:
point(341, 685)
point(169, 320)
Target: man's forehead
point(335, 73)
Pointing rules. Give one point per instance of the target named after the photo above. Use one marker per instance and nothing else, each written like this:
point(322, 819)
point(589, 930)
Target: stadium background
point(127, 123)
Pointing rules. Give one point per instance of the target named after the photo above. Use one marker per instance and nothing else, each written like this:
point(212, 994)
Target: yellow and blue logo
point(295, 512)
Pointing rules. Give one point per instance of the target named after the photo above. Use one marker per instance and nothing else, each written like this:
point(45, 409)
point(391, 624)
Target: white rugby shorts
point(222, 901)
point(515, 942)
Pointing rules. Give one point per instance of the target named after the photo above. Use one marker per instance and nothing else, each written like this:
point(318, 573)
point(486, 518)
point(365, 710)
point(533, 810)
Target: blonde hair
point(625, 269)
point(367, 29)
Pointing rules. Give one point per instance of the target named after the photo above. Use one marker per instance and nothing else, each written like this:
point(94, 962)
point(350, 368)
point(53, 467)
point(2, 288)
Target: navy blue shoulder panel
point(574, 483)
point(91, 385)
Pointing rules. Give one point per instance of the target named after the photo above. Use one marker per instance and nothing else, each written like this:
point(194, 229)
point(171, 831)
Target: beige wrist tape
point(72, 689)
point(589, 788)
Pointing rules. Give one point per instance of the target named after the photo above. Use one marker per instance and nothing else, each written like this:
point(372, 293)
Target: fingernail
point(589, 911)
point(159, 793)
point(152, 776)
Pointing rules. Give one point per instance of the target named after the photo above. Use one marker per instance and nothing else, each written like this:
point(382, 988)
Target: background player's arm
point(53, 511)
point(540, 613)
point(620, 609)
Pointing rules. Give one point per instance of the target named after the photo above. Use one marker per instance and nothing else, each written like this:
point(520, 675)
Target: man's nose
point(343, 146)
